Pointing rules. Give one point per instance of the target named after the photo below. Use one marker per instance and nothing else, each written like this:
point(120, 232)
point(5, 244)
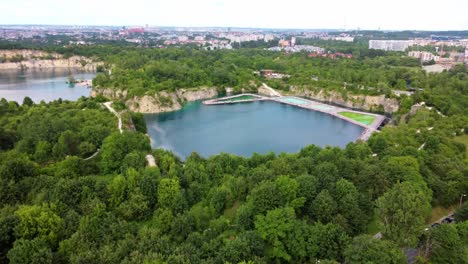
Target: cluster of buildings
point(424, 56)
point(208, 44)
point(290, 46)
point(326, 36)
point(330, 55)
point(442, 59)
point(243, 37)
point(298, 48)
point(402, 45)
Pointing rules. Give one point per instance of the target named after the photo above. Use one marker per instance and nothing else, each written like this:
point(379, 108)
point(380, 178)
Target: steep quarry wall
point(33, 59)
point(158, 102)
point(363, 102)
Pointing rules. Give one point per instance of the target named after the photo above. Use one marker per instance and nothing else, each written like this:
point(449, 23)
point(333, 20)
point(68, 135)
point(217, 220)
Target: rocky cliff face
point(34, 59)
point(353, 101)
point(158, 102)
point(28, 54)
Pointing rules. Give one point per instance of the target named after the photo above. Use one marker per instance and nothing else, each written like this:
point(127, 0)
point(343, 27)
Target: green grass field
point(439, 212)
point(361, 118)
point(243, 97)
point(464, 140)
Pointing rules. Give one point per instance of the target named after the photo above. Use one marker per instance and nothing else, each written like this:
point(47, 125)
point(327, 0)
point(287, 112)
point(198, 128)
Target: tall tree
point(273, 229)
point(403, 211)
point(35, 251)
point(366, 249)
point(447, 246)
point(39, 222)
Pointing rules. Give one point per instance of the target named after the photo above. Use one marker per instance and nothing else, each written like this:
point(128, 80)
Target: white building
point(346, 39)
point(267, 38)
point(393, 45)
point(423, 55)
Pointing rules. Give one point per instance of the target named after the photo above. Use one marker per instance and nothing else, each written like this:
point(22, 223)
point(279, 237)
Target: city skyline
point(295, 14)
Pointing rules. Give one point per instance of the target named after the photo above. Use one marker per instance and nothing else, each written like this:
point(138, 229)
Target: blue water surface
point(245, 128)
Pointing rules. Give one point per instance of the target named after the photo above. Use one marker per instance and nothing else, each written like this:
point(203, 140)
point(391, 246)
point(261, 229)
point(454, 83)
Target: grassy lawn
point(231, 212)
point(242, 97)
point(374, 226)
point(439, 212)
point(462, 139)
point(361, 118)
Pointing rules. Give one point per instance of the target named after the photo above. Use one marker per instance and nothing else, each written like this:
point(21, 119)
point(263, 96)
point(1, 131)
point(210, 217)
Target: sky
point(302, 14)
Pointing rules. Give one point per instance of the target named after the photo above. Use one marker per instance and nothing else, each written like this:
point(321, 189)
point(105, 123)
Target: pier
point(236, 99)
point(307, 104)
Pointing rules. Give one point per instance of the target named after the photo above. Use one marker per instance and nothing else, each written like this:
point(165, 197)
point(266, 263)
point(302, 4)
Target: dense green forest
point(318, 204)
point(143, 71)
point(370, 72)
point(140, 71)
point(75, 190)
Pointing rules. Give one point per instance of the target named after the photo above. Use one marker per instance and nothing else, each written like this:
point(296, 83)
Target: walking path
point(225, 100)
point(149, 158)
point(275, 93)
point(94, 155)
point(311, 105)
point(108, 105)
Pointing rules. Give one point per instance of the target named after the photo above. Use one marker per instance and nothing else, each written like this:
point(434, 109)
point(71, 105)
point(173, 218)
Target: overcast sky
point(314, 14)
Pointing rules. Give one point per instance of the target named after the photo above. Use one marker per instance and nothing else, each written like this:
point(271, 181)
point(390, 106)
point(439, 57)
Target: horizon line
point(240, 27)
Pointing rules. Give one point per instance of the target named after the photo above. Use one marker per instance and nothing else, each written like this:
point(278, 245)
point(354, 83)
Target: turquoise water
point(299, 101)
point(243, 129)
point(47, 85)
point(294, 100)
point(321, 107)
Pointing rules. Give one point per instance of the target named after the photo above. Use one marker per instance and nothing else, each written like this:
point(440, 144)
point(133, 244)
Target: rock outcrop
point(158, 102)
point(34, 59)
point(362, 102)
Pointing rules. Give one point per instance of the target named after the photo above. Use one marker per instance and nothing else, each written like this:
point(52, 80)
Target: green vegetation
point(56, 206)
point(438, 212)
point(463, 139)
point(290, 207)
point(361, 118)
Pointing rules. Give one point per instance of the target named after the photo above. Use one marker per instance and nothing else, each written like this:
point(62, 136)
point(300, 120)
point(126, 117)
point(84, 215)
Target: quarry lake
point(47, 85)
point(246, 128)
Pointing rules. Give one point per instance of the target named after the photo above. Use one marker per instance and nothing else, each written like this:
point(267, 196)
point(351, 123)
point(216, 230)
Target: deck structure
point(233, 99)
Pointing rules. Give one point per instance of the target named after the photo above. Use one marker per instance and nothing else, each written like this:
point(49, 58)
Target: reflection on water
point(47, 84)
point(246, 128)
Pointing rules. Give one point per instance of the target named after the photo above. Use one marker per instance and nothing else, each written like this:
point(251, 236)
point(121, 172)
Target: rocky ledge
point(361, 102)
point(158, 102)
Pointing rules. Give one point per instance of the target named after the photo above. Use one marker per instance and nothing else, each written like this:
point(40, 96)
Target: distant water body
point(245, 128)
point(47, 85)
